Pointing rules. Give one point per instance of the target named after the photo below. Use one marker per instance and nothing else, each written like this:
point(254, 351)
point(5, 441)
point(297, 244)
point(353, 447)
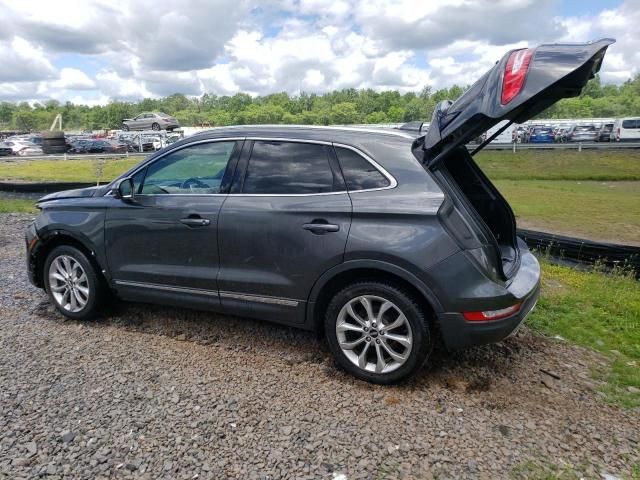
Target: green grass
point(66, 170)
point(599, 311)
point(530, 470)
point(607, 211)
point(9, 205)
point(561, 165)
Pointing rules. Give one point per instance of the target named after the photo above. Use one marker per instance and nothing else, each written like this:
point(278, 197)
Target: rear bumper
point(459, 333)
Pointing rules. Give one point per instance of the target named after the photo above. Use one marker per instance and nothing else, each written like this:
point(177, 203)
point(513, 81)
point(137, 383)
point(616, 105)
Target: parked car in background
point(560, 134)
point(519, 134)
point(98, 146)
point(626, 130)
point(384, 242)
point(582, 133)
point(604, 133)
point(541, 135)
point(150, 121)
point(24, 147)
point(5, 149)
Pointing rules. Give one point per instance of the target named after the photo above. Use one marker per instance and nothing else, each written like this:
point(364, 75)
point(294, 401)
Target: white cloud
point(151, 48)
point(23, 62)
point(74, 79)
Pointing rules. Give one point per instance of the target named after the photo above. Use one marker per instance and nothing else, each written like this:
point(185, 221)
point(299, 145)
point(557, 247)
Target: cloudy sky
point(90, 51)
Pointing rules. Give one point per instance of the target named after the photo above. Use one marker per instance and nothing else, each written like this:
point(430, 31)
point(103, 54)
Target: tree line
point(345, 106)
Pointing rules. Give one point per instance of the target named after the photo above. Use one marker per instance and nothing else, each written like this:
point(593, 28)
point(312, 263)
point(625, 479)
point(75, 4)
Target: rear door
point(283, 225)
point(521, 85)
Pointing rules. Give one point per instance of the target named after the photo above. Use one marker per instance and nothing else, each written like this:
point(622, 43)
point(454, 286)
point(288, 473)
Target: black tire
point(155, 127)
point(56, 149)
point(406, 304)
point(96, 288)
point(52, 134)
point(125, 127)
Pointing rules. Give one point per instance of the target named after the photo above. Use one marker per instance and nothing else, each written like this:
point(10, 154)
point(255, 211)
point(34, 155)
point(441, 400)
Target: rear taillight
point(515, 73)
point(489, 315)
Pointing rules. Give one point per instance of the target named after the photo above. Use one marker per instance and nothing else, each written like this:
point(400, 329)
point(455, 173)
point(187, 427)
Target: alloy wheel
point(374, 334)
point(68, 283)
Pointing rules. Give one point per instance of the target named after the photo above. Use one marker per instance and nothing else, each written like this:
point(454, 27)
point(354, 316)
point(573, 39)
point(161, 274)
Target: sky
point(94, 51)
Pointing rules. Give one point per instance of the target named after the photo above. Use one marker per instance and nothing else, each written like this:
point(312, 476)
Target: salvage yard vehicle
point(150, 121)
point(384, 242)
point(626, 130)
point(583, 133)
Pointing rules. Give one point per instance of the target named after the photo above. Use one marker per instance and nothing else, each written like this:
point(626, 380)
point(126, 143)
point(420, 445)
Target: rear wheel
point(72, 283)
point(377, 332)
point(125, 127)
point(155, 127)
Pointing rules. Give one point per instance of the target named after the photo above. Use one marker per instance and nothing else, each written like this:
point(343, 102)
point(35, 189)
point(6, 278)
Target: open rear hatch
point(522, 84)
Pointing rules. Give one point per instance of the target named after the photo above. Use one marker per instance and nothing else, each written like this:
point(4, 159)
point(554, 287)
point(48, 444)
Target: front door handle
point(195, 222)
point(321, 228)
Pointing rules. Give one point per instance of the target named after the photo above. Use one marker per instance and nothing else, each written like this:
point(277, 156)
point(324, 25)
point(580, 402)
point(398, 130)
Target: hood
point(76, 193)
point(521, 85)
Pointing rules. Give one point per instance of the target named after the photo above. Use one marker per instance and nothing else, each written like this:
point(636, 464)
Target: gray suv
point(384, 242)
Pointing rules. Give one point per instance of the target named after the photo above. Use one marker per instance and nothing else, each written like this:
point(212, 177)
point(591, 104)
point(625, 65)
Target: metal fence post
point(579, 146)
point(514, 147)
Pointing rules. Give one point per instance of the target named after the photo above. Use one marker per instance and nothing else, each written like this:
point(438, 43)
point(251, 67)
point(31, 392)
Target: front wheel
point(377, 332)
point(125, 127)
point(155, 127)
point(72, 283)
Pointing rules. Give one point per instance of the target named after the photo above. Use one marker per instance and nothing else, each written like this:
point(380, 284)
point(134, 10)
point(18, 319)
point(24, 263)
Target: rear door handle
point(195, 221)
point(321, 228)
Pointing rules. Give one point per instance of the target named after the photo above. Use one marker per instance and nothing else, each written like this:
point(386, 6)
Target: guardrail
point(76, 156)
point(561, 146)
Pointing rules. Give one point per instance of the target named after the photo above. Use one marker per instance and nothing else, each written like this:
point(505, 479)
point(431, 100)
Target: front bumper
point(459, 333)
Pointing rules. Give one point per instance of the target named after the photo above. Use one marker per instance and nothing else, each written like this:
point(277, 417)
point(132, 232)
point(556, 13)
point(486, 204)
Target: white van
point(626, 130)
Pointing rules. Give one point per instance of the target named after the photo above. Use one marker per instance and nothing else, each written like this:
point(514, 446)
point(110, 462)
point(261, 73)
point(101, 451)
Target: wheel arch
point(338, 277)
point(58, 238)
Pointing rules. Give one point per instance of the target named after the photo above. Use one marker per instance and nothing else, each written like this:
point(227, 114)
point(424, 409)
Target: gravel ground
point(152, 392)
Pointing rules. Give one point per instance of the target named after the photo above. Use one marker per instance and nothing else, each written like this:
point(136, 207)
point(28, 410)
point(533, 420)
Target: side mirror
point(124, 189)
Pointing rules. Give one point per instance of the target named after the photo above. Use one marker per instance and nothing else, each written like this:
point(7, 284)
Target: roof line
point(311, 127)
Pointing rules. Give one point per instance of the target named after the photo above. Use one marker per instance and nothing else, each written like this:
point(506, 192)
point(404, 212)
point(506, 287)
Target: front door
point(281, 227)
point(165, 242)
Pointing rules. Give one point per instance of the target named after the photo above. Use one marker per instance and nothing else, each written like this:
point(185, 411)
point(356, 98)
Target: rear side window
point(288, 168)
point(359, 174)
point(630, 124)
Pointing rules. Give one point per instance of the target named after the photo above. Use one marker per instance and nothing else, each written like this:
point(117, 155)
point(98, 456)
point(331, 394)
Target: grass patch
point(86, 170)
point(607, 211)
point(599, 311)
point(604, 165)
point(531, 470)
point(10, 205)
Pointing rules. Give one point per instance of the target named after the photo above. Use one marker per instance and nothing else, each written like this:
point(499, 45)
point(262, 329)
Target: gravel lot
point(153, 392)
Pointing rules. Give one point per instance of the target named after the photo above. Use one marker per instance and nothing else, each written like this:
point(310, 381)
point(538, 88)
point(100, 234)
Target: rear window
point(278, 168)
point(359, 174)
point(630, 124)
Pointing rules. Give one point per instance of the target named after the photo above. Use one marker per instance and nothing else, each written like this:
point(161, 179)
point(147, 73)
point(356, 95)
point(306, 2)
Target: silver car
point(150, 121)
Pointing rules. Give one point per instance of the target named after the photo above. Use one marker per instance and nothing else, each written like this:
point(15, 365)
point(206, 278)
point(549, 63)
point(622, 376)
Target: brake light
point(515, 73)
point(489, 315)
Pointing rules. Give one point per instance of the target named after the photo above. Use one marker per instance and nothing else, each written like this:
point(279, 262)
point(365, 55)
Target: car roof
point(336, 134)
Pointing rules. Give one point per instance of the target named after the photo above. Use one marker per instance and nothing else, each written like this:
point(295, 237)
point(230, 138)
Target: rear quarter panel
point(399, 225)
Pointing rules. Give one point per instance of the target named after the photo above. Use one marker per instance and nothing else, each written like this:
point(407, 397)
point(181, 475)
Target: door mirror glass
point(125, 189)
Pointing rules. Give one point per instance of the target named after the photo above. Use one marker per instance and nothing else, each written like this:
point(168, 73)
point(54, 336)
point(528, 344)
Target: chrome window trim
point(164, 154)
point(212, 293)
point(393, 183)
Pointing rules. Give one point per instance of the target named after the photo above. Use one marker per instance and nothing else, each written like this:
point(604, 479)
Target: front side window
point(195, 170)
point(288, 168)
point(359, 174)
